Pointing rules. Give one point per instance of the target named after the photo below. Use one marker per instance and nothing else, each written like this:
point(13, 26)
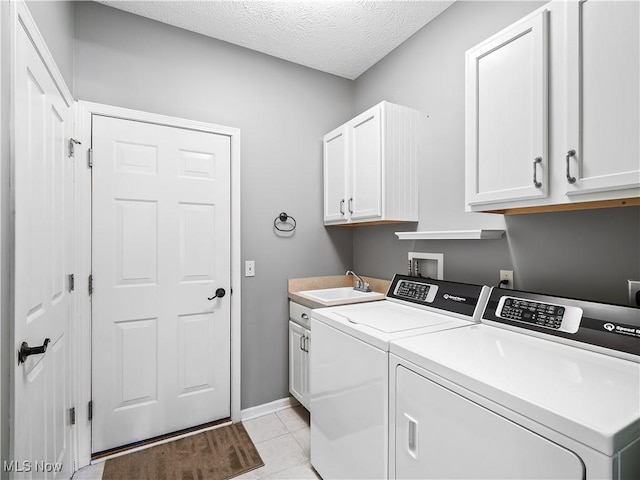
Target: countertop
point(333, 281)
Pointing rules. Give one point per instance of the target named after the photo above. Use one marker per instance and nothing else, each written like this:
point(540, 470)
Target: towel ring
point(283, 217)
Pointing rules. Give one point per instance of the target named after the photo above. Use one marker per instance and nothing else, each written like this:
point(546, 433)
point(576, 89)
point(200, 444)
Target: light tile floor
point(282, 440)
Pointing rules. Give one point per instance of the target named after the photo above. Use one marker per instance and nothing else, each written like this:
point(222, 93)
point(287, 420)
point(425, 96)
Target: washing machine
point(349, 368)
point(544, 387)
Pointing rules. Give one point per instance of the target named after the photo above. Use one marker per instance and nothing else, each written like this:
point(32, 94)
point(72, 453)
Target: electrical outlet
point(508, 276)
point(634, 292)
point(250, 268)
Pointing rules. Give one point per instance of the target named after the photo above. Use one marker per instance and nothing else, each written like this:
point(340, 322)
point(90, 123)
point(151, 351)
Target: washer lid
point(377, 323)
point(387, 317)
point(591, 397)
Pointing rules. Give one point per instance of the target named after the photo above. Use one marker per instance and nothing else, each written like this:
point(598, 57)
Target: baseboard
point(267, 408)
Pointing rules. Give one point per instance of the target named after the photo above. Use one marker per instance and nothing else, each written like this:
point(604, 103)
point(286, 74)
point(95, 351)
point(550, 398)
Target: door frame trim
point(84, 113)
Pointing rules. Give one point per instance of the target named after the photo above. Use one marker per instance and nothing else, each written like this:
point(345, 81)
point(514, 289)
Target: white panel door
point(43, 258)
point(161, 248)
point(440, 434)
point(506, 115)
point(365, 133)
point(604, 97)
point(335, 176)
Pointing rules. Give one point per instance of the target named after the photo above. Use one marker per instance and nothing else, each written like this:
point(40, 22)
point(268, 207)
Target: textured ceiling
point(344, 38)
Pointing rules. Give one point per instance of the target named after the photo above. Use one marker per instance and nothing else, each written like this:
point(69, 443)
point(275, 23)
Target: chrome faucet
point(361, 285)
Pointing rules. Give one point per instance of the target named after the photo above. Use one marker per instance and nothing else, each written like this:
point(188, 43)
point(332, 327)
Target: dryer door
point(440, 434)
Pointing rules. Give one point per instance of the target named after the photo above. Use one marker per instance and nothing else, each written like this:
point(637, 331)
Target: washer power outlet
point(634, 292)
point(506, 275)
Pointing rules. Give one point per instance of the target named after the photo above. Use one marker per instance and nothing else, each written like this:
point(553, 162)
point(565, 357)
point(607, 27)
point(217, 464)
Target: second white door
point(161, 249)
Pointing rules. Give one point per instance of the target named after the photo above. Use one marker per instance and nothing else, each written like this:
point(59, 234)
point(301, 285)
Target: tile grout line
point(271, 474)
point(288, 468)
point(272, 438)
point(304, 450)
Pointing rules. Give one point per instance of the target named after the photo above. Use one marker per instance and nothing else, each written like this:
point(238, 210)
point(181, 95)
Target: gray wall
point(282, 109)
point(588, 253)
point(55, 22)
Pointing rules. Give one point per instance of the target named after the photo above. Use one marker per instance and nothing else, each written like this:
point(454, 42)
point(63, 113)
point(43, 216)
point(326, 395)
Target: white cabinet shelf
point(370, 167)
point(452, 235)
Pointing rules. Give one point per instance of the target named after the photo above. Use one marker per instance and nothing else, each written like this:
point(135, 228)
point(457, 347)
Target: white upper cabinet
point(506, 114)
point(366, 165)
point(552, 110)
point(370, 166)
point(603, 94)
point(335, 175)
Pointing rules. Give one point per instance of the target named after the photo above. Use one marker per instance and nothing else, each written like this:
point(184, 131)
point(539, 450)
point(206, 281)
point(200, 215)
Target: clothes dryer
point(544, 387)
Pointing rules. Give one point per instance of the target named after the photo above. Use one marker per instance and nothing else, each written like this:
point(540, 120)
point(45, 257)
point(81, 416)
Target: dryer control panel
point(556, 317)
point(605, 328)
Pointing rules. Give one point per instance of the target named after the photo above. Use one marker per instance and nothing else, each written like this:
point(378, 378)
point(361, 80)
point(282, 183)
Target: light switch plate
point(250, 268)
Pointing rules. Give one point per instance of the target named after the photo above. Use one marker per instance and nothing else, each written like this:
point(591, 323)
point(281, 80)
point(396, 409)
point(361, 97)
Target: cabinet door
point(506, 114)
point(365, 201)
point(603, 94)
point(297, 362)
point(306, 384)
point(335, 176)
point(440, 434)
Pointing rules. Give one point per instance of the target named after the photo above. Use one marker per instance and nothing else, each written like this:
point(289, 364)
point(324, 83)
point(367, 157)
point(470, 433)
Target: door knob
point(220, 292)
point(26, 350)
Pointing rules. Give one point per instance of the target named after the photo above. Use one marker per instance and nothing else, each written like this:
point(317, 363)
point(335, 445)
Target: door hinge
point(72, 282)
point(72, 415)
point(72, 146)
point(90, 157)
point(90, 410)
point(90, 284)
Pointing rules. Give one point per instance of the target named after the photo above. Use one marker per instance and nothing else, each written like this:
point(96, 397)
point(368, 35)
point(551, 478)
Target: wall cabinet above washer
point(370, 168)
point(507, 114)
point(553, 110)
point(603, 95)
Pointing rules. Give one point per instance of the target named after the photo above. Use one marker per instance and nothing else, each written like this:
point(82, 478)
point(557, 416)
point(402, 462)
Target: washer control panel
point(462, 300)
point(416, 291)
point(548, 315)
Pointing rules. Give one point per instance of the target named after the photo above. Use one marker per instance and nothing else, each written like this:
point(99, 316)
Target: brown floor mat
point(212, 455)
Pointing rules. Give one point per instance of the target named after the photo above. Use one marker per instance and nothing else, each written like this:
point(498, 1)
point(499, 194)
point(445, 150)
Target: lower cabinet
point(299, 345)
